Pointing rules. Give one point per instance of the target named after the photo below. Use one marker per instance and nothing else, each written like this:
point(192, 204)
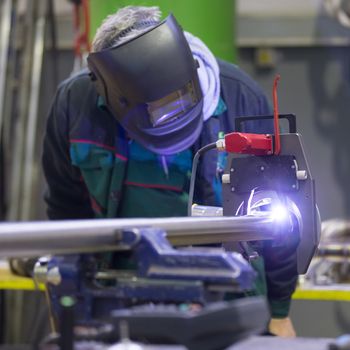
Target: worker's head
point(144, 70)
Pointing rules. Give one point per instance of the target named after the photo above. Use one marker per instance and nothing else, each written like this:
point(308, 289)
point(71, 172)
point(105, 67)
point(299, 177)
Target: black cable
point(193, 174)
point(75, 2)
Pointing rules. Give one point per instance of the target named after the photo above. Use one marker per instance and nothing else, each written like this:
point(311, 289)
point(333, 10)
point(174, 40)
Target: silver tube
point(53, 237)
point(17, 153)
point(29, 173)
point(4, 46)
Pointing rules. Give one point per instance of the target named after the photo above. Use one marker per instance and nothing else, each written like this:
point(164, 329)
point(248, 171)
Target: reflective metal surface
point(30, 166)
point(48, 237)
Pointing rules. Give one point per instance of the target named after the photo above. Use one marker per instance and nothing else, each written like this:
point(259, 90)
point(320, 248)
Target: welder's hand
point(282, 327)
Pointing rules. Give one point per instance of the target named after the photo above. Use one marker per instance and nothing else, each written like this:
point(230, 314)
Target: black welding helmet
point(150, 84)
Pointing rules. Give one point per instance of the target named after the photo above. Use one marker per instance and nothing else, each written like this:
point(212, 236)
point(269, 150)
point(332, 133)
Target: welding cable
point(51, 317)
point(277, 145)
point(193, 173)
point(52, 320)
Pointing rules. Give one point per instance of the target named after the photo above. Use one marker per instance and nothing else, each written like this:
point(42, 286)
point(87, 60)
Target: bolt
point(262, 168)
point(301, 175)
point(294, 186)
point(233, 189)
point(293, 166)
point(232, 170)
point(225, 179)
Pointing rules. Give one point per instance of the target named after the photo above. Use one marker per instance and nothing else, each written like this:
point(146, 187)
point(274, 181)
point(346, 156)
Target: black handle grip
point(290, 117)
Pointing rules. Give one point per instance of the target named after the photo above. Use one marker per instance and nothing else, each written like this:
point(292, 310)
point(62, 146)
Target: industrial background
point(303, 41)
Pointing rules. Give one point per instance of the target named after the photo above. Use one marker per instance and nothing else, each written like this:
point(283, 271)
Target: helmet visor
point(173, 106)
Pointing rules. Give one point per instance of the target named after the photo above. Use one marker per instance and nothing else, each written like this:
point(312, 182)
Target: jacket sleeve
point(66, 195)
point(281, 275)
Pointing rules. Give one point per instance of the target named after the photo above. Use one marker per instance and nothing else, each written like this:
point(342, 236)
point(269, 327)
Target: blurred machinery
point(324, 291)
point(331, 265)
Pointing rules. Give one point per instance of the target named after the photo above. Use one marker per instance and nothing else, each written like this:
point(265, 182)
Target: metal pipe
point(17, 151)
point(4, 46)
point(30, 169)
point(333, 249)
point(57, 237)
point(5, 34)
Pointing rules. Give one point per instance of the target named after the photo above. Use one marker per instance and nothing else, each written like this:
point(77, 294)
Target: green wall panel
point(210, 20)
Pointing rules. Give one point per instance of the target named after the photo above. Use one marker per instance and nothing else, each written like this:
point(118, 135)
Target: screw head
point(225, 178)
point(262, 168)
point(232, 170)
point(233, 189)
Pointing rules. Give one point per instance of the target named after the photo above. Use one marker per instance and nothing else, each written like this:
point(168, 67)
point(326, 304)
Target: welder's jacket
point(94, 170)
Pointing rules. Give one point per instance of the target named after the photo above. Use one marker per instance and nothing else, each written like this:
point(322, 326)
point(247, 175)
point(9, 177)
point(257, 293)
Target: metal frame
point(302, 195)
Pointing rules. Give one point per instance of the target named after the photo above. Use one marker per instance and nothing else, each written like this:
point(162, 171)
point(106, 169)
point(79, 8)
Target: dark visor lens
point(172, 106)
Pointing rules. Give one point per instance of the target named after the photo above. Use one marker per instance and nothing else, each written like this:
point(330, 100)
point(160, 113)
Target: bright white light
point(279, 212)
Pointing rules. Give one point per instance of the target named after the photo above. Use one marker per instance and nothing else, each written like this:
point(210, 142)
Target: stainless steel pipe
point(55, 237)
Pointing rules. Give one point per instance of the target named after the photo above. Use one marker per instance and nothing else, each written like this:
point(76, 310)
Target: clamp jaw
point(155, 272)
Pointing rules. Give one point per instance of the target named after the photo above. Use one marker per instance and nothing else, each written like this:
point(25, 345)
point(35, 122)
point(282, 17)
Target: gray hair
point(125, 24)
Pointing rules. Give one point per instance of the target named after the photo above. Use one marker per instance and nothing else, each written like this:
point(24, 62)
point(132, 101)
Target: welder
point(121, 134)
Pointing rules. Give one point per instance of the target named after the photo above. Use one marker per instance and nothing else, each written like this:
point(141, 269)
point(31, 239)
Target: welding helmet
point(150, 84)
